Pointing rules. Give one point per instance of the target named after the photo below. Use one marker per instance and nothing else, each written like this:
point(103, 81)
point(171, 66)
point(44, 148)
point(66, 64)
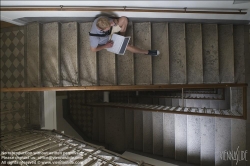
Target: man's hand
point(109, 44)
point(114, 22)
point(99, 48)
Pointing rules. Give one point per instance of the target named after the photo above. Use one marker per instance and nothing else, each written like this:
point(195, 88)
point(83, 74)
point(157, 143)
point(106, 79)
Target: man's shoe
point(153, 52)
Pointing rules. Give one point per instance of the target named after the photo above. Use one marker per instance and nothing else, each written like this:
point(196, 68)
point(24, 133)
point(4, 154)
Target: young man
point(99, 36)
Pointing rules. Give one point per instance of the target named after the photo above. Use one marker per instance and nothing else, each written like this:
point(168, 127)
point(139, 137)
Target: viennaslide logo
point(234, 155)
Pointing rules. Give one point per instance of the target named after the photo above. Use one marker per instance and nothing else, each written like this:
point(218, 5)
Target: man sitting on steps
point(100, 35)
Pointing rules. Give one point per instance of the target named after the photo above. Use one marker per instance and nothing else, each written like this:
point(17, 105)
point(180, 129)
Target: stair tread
point(226, 52)
point(177, 53)
point(181, 137)
point(236, 99)
point(147, 132)
point(193, 139)
point(194, 53)
point(129, 128)
point(87, 59)
point(207, 140)
point(143, 63)
point(238, 130)
point(210, 53)
point(125, 63)
point(50, 55)
point(115, 129)
point(222, 139)
point(157, 119)
point(33, 55)
point(69, 54)
point(138, 130)
point(106, 68)
point(169, 135)
point(160, 63)
point(239, 56)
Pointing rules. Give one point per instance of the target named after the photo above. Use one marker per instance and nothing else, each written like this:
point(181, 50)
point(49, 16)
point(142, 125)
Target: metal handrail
point(125, 9)
point(55, 137)
point(171, 109)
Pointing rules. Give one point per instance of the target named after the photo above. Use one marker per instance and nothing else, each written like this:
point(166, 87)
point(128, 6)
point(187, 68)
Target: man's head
point(103, 23)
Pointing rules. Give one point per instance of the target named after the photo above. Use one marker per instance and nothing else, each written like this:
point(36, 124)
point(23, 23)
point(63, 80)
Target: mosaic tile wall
point(13, 115)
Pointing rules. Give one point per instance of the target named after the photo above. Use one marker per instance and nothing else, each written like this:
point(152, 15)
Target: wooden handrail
point(122, 87)
point(123, 9)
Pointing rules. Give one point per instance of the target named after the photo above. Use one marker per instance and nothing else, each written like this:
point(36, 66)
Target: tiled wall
point(13, 112)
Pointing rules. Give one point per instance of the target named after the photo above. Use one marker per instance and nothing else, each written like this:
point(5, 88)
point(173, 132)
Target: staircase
point(58, 54)
point(197, 140)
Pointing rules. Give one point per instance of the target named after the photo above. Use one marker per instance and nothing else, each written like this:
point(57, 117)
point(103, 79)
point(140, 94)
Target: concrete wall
point(12, 17)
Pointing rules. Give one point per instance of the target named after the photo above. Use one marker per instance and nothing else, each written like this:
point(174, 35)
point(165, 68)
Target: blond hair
point(103, 23)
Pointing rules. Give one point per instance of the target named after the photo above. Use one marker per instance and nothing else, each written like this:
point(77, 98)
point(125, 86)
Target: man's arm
point(99, 48)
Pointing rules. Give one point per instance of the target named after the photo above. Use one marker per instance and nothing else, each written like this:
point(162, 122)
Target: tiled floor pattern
point(82, 115)
point(12, 75)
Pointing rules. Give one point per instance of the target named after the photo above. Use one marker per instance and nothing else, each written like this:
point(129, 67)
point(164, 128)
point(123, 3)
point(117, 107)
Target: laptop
point(120, 44)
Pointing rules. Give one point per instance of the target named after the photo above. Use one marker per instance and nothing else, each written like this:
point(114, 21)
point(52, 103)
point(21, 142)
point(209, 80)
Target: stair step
point(129, 128)
point(147, 132)
point(50, 55)
point(157, 119)
point(222, 140)
point(181, 137)
point(210, 53)
point(194, 53)
point(189, 102)
point(162, 101)
point(225, 104)
point(101, 117)
point(69, 54)
point(236, 99)
point(238, 138)
point(95, 133)
point(143, 63)
point(193, 139)
point(161, 62)
point(239, 56)
point(175, 102)
point(87, 59)
point(168, 101)
point(201, 103)
point(177, 53)
point(115, 129)
point(169, 135)
point(226, 52)
point(33, 55)
point(214, 104)
point(138, 130)
point(125, 64)
point(106, 68)
point(207, 141)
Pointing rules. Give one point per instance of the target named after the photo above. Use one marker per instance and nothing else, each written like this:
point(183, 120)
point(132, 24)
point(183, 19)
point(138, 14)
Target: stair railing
point(125, 9)
point(58, 144)
point(226, 113)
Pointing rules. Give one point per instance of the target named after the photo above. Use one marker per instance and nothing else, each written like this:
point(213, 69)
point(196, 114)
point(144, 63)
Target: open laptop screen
point(124, 46)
